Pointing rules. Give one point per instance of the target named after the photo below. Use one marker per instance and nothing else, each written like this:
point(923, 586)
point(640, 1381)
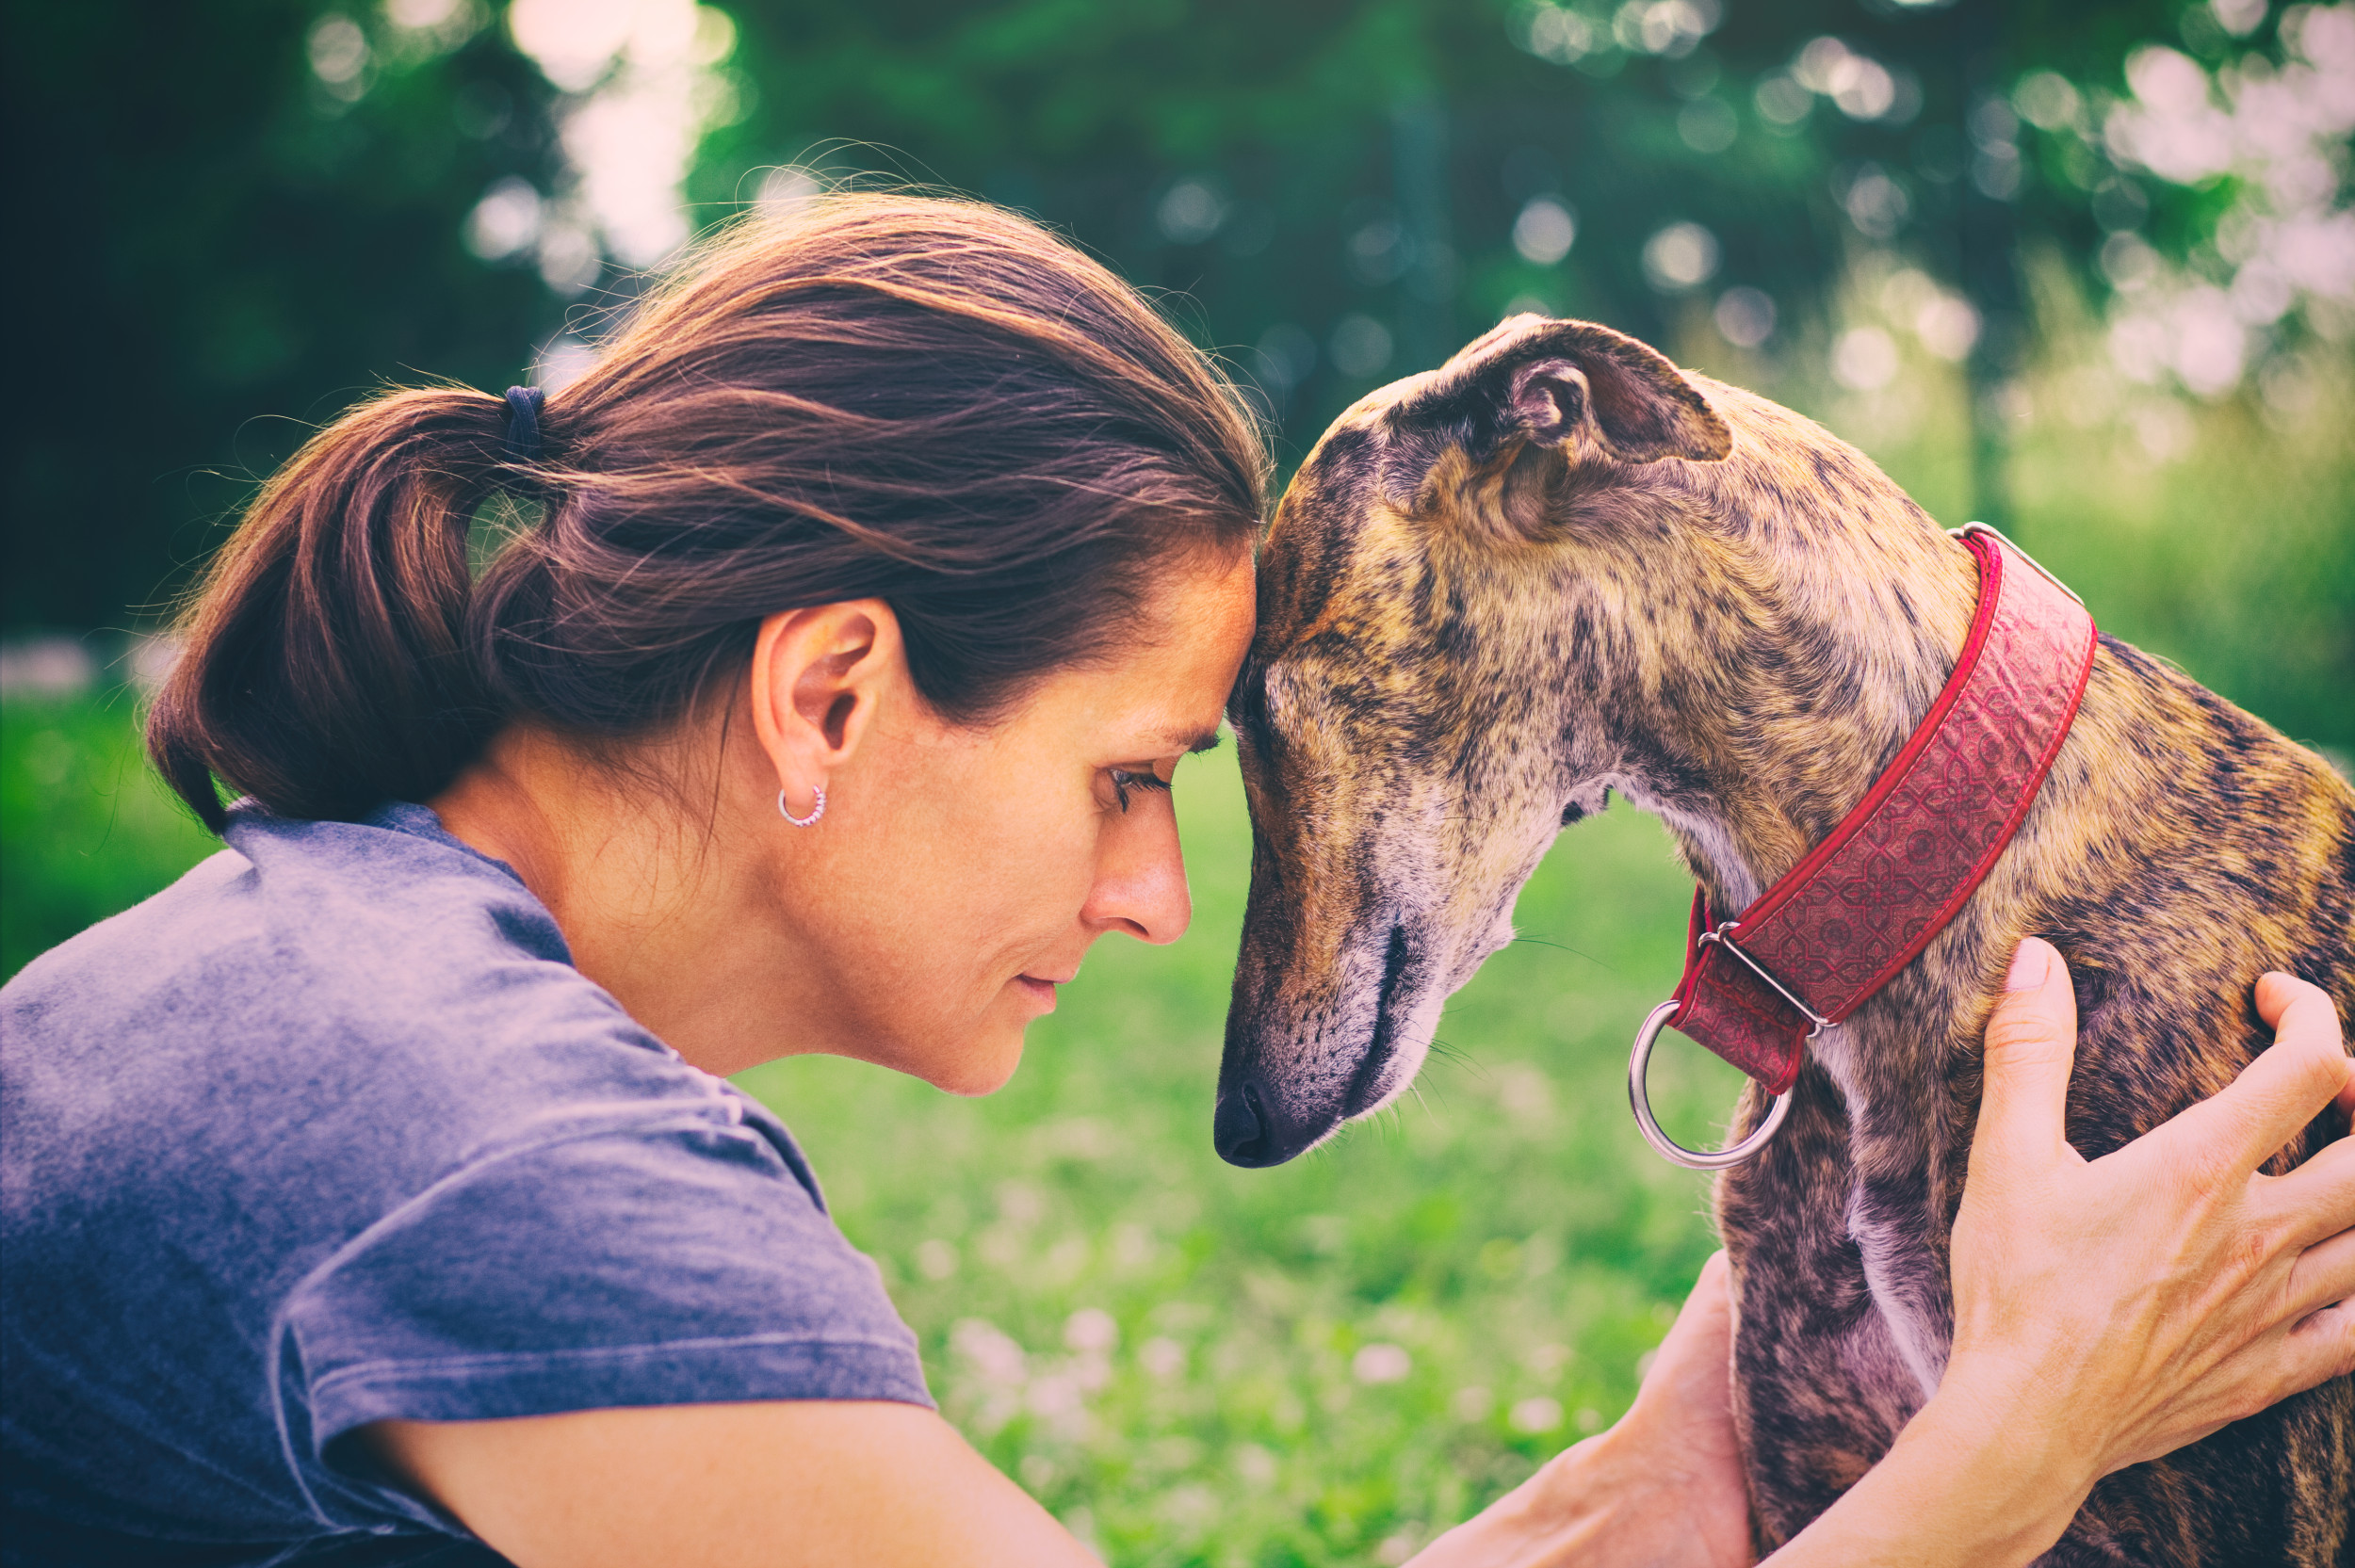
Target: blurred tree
point(1293, 169)
point(228, 215)
point(272, 203)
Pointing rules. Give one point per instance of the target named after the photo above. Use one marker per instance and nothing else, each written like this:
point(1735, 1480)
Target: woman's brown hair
point(930, 402)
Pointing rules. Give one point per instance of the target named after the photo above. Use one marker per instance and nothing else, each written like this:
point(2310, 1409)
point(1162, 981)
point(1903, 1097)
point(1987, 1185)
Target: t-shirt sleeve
point(681, 1262)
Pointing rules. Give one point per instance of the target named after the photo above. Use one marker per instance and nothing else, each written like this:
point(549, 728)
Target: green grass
point(86, 828)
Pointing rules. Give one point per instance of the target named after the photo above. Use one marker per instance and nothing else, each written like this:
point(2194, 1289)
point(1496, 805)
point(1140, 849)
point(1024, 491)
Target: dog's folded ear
point(1532, 380)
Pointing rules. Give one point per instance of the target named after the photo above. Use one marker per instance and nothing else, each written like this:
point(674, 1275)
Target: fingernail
point(2029, 966)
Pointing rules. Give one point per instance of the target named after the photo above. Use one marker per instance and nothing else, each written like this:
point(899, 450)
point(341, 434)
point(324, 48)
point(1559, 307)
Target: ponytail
point(929, 402)
point(326, 664)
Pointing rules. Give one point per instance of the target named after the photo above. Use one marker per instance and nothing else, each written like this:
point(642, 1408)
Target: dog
point(1558, 566)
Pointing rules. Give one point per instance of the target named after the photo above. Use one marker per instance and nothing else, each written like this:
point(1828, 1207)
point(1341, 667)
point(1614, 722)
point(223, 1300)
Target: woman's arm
point(763, 1486)
point(2107, 1312)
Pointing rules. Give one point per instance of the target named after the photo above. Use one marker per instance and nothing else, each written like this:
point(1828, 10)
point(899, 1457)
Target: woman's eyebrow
point(1190, 742)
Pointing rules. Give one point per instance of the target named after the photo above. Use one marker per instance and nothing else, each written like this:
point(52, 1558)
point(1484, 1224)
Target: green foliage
point(216, 251)
point(86, 829)
point(246, 245)
point(2235, 559)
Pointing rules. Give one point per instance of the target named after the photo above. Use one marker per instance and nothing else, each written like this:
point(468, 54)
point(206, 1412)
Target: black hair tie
point(523, 425)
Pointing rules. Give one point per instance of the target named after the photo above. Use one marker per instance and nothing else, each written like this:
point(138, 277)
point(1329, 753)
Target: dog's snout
point(1251, 1128)
point(1240, 1129)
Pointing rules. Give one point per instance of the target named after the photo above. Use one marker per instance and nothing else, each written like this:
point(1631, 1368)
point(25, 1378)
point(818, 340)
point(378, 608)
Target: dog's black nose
point(1240, 1128)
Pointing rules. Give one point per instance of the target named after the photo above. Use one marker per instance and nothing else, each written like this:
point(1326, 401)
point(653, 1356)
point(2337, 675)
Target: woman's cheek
point(1045, 852)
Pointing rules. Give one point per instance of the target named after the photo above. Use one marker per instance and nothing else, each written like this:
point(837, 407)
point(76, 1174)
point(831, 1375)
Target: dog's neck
point(1837, 612)
point(1769, 725)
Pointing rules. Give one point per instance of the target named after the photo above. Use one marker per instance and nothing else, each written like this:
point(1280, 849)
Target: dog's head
point(1408, 747)
point(1555, 566)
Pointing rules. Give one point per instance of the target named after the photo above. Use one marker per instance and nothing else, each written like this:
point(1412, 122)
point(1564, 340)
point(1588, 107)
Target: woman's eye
point(1126, 779)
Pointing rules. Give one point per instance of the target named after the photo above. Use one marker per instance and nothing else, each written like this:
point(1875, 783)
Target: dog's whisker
point(1566, 947)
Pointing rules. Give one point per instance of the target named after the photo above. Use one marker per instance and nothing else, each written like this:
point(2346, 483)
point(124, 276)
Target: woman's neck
point(653, 906)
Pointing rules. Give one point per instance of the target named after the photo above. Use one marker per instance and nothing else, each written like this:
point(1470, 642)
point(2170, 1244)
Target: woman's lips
point(1041, 992)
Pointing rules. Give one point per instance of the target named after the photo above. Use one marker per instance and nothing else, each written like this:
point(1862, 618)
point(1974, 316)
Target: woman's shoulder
point(362, 895)
point(374, 973)
point(332, 1132)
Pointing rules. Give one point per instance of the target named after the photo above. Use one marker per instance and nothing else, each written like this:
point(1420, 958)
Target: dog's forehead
point(1366, 469)
point(1320, 525)
point(1354, 510)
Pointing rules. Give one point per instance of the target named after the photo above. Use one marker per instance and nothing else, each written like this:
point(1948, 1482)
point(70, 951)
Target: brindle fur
point(1558, 566)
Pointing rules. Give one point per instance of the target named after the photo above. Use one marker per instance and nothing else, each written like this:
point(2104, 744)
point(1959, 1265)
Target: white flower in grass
point(1383, 1364)
point(1538, 1414)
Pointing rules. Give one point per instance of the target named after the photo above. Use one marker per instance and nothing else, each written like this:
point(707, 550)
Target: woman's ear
point(817, 676)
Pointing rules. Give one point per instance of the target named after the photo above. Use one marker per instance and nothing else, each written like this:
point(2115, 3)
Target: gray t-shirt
point(331, 1131)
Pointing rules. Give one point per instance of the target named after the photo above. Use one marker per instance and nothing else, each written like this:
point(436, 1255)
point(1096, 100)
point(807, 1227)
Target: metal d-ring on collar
point(1639, 1100)
point(1639, 1062)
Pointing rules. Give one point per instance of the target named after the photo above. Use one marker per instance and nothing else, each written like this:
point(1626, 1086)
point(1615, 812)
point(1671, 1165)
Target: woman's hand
point(1664, 1488)
point(2139, 1302)
point(2108, 1311)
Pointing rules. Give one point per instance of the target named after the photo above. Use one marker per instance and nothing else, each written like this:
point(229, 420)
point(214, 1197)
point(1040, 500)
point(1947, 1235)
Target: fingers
point(1703, 1332)
point(2296, 1354)
point(2326, 1343)
point(2291, 1005)
point(2031, 1046)
point(1711, 1300)
point(2314, 1201)
point(2289, 1084)
point(1685, 1405)
point(2324, 1273)
point(2313, 1350)
point(2299, 1011)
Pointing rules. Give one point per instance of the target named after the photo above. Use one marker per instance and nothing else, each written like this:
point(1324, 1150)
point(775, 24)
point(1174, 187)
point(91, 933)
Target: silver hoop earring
point(815, 812)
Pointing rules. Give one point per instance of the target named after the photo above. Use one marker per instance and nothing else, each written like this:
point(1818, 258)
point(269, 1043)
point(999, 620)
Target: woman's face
point(960, 875)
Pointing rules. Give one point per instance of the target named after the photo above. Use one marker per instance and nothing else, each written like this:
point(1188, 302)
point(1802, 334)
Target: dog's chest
point(1888, 1217)
point(1844, 1325)
point(1907, 1284)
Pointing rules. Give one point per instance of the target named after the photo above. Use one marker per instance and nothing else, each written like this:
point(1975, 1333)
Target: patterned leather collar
point(1863, 903)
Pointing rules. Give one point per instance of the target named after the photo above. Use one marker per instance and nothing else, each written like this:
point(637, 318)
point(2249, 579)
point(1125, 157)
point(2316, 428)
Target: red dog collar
point(1863, 903)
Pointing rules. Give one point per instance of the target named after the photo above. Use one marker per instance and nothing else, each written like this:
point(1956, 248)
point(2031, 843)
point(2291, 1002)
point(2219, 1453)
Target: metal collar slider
point(1723, 937)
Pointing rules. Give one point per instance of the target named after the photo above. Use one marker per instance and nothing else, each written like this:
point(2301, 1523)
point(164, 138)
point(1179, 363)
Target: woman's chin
point(983, 1067)
point(974, 1082)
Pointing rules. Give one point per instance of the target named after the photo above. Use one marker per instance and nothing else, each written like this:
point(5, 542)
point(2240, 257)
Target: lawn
point(1192, 1364)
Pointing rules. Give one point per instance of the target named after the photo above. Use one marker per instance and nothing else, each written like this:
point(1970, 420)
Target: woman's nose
point(1140, 877)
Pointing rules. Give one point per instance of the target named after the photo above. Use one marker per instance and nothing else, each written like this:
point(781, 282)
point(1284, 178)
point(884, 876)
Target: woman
point(375, 1193)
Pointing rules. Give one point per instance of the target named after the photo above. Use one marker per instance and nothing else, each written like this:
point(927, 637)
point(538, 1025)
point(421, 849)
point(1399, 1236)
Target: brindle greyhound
point(1558, 566)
